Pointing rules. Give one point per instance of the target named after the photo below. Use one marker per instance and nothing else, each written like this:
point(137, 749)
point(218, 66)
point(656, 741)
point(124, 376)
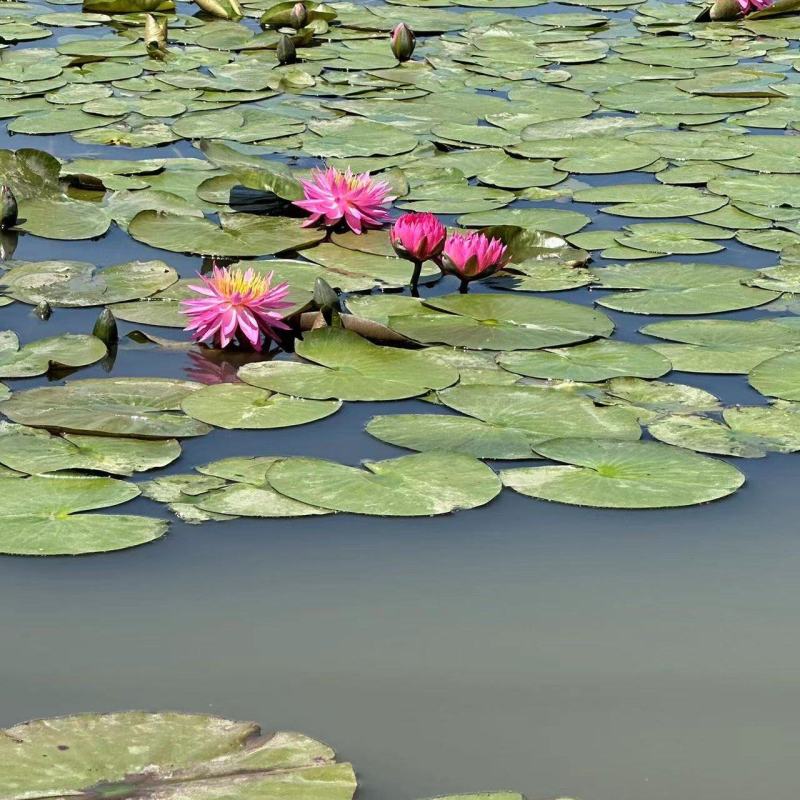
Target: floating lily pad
point(36, 358)
point(348, 367)
point(778, 376)
point(501, 322)
point(624, 475)
point(594, 361)
point(676, 288)
point(238, 234)
point(74, 283)
point(237, 405)
point(166, 753)
point(34, 451)
point(40, 517)
point(418, 485)
point(454, 434)
point(541, 412)
point(145, 407)
point(747, 432)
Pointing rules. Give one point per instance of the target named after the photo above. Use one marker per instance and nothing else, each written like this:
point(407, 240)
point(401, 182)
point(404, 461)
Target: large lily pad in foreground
point(411, 486)
point(167, 755)
point(146, 407)
point(747, 432)
point(624, 475)
point(39, 517)
point(778, 376)
point(454, 434)
point(34, 451)
point(541, 412)
point(348, 367)
point(237, 235)
point(675, 288)
point(36, 358)
point(594, 361)
point(502, 322)
point(75, 283)
point(237, 405)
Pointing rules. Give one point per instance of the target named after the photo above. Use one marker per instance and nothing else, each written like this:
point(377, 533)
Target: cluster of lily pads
point(172, 755)
point(624, 131)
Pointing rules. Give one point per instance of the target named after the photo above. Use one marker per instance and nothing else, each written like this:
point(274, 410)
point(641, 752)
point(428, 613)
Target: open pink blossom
point(332, 196)
point(418, 237)
point(473, 255)
point(749, 6)
point(236, 304)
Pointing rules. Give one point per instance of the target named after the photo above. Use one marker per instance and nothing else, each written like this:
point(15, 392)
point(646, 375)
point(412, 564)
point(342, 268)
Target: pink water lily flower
point(749, 6)
point(473, 255)
point(418, 237)
point(332, 196)
point(237, 304)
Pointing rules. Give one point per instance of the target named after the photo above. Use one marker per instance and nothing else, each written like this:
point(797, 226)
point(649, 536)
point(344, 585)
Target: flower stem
point(464, 288)
point(417, 273)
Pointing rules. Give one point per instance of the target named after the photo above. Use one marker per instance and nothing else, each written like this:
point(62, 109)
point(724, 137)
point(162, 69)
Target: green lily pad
point(166, 753)
point(624, 475)
point(352, 136)
point(145, 407)
point(454, 434)
point(34, 451)
point(538, 219)
point(234, 405)
point(747, 432)
point(541, 412)
point(238, 234)
point(242, 500)
point(651, 399)
point(348, 367)
point(778, 376)
point(501, 322)
point(424, 484)
point(37, 358)
point(40, 517)
point(74, 283)
point(677, 288)
point(594, 361)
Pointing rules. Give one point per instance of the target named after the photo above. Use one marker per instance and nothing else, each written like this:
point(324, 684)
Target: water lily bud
point(403, 42)
point(43, 310)
point(105, 328)
point(8, 244)
point(8, 208)
point(287, 53)
point(725, 10)
point(223, 9)
point(155, 34)
point(298, 16)
point(325, 296)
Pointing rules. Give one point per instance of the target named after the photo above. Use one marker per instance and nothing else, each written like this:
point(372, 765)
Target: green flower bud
point(155, 35)
point(403, 42)
point(222, 9)
point(286, 51)
point(8, 208)
point(325, 296)
point(105, 328)
point(43, 310)
point(725, 10)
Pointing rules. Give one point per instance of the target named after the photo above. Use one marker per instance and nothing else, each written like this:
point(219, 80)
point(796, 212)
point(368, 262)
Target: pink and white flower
point(473, 255)
point(236, 304)
point(418, 237)
point(332, 196)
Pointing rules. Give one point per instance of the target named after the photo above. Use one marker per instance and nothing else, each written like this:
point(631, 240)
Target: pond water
point(550, 649)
